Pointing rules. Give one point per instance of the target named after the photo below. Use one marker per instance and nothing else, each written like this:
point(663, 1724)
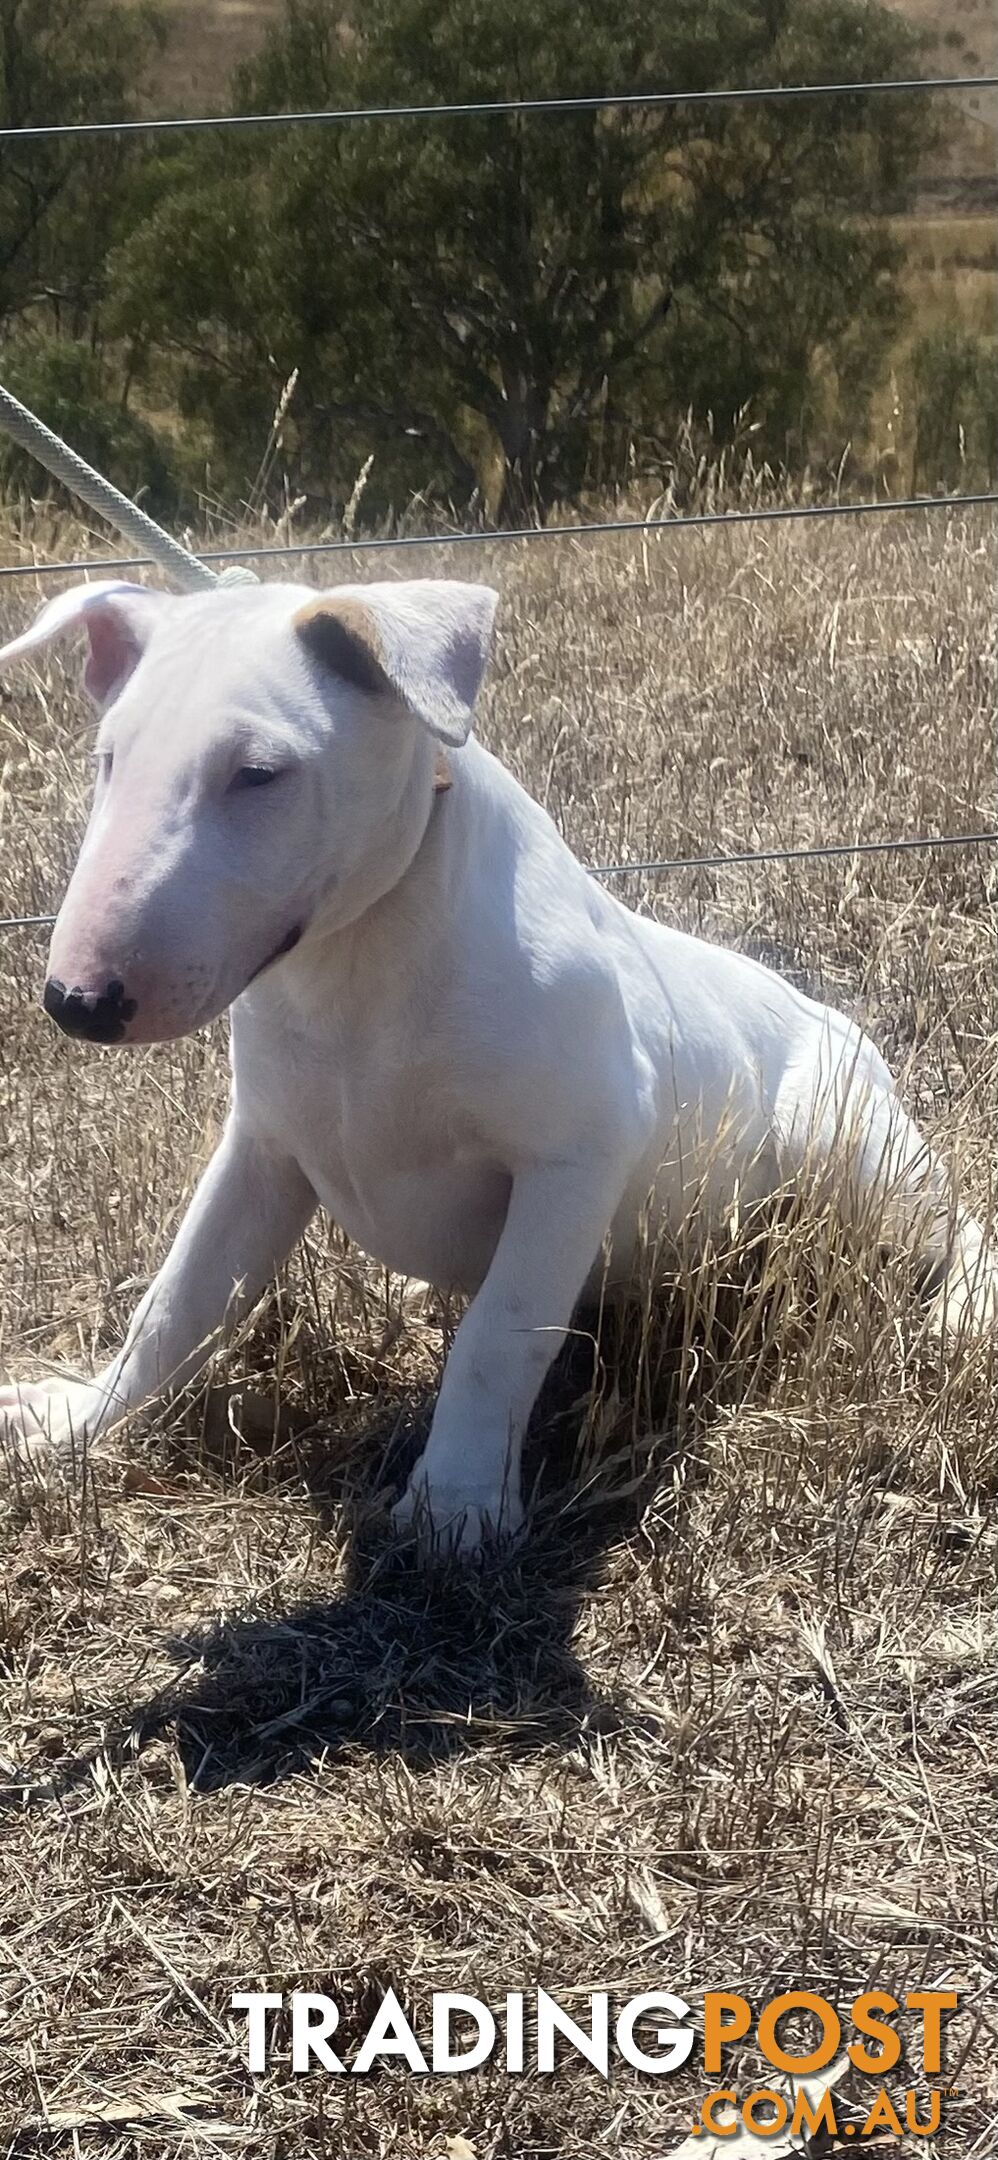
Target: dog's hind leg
point(960, 1276)
point(923, 1216)
point(891, 1184)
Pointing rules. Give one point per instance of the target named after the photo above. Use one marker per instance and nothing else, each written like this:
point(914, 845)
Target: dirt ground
point(732, 1719)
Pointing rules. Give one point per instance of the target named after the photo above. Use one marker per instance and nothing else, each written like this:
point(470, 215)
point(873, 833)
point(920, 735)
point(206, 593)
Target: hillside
point(208, 38)
point(206, 41)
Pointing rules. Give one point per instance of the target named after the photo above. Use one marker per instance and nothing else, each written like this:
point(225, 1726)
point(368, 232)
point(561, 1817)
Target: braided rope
point(108, 501)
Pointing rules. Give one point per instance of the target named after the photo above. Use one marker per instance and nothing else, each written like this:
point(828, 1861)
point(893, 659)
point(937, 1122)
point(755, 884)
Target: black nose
point(98, 1015)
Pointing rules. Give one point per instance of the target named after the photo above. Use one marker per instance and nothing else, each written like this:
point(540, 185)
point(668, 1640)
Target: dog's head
point(264, 762)
point(264, 770)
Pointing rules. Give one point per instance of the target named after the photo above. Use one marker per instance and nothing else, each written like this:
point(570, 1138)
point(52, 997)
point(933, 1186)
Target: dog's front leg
point(249, 1209)
point(466, 1485)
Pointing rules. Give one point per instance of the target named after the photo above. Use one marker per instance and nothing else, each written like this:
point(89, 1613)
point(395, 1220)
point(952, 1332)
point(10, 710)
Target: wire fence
point(601, 527)
point(582, 530)
point(490, 108)
point(923, 842)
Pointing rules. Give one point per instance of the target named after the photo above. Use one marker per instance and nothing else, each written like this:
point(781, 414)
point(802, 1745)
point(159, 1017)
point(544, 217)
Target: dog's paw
point(42, 1419)
point(447, 1521)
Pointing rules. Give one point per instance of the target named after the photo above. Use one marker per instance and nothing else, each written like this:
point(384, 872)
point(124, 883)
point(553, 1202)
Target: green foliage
point(63, 205)
point(520, 305)
point(512, 309)
point(63, 208)
point(74, 391)
point(955, 380)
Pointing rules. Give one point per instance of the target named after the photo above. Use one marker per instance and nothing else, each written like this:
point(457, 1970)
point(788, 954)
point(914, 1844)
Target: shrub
point(955, 381)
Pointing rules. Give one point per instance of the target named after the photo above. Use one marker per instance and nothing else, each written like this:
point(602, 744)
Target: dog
point(491, 1073)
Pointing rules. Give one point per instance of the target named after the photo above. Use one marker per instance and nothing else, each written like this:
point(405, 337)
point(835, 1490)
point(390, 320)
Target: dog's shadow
point(424, 1662)
point(421, 1661)
point(417, 1663)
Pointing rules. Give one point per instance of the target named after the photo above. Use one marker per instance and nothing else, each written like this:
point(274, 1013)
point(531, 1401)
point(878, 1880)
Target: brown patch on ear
point(441, 775)
point(343, 635)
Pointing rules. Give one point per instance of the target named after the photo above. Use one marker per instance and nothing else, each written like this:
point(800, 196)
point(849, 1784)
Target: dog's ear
point(118, 619)
point(425, 642)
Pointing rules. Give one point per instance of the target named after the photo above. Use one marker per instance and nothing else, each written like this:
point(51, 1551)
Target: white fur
point(476, 1058)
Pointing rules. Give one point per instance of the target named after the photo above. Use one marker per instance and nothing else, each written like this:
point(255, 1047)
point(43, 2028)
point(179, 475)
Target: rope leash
point(100, 495)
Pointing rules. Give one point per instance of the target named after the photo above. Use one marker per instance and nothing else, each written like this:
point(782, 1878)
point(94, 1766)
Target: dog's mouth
point(286, 945)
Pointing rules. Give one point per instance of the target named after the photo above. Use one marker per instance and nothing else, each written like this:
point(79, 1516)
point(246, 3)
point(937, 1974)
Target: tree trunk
point(521, 421)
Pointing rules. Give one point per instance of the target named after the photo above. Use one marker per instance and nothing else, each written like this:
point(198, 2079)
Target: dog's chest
point(384, 1144)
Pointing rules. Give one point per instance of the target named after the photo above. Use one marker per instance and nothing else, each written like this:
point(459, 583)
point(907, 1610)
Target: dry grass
point(965, 33)
point(950, 276)
point(734, 1718)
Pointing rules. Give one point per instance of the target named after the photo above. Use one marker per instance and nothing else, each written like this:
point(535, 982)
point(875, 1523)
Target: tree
point(63, 206)
point(517, 299)
point(61, 201)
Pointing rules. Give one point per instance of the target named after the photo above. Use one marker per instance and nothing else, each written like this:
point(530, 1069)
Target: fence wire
point(706, 862)
point(787, 513)
point(486, 108)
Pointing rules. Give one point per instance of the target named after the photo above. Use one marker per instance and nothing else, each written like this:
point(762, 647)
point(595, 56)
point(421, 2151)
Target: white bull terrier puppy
point(443, 1030)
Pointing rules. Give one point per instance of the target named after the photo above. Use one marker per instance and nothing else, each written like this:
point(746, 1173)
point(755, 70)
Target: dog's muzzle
point(99, 1016)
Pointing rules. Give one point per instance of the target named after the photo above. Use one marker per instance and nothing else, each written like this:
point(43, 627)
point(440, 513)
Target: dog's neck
point(350, 918)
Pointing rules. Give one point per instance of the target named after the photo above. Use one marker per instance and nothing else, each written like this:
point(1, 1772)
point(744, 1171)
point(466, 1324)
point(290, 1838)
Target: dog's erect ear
point(425, 642)
point(118, 619)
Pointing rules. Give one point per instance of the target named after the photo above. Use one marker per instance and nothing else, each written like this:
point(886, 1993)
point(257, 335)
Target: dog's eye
point(253, 776)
